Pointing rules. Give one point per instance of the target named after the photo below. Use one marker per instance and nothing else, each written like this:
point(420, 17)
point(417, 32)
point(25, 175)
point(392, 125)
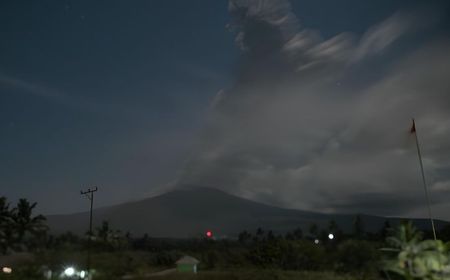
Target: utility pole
point(90, 195)
point(414, 131)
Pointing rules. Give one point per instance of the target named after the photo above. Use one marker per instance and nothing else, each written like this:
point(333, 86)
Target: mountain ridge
point(189, 212)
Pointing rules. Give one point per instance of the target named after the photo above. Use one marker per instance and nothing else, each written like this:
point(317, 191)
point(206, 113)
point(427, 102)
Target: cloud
point(441, 186)
point(383, 35)
point(307, 124)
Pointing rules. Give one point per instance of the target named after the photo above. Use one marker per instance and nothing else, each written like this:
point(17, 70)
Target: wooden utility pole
point(90, 195)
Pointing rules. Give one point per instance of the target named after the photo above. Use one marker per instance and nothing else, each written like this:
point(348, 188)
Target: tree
point(260, 232)
point(24, 223)
point(404, 236)
point(4, 209)
point(244, 236)
point(332, 226)
point(444, 233)
point(334, 229)
point(110, 239)
point(300, 255)
point(5, 225)
point(385, 230)
point(356, 255)
point(358, 227)
point(104, 232)
point(298, 233)
point(314, 230)
point(270, 236)
point(66, 240)
point(259, 235)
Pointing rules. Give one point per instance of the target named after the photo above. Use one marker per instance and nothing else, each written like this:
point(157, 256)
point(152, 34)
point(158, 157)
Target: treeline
point(357, 252)
point(261, 249)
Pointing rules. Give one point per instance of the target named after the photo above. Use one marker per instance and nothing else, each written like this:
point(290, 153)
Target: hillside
point(190, 212)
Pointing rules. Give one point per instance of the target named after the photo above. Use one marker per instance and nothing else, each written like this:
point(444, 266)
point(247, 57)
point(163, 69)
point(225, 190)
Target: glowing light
point(209, 234)
point(82, 274)
point(316, 241)
point(70, 271)
point(331, 236)
point(7, 270)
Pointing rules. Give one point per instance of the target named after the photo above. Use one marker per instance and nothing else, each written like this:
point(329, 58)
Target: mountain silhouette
point(185, 213)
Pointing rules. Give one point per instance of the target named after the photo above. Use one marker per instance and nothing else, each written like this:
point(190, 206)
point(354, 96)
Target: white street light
point(70, 271)
point(331, 236)
point(316, 241)
point(7, 270)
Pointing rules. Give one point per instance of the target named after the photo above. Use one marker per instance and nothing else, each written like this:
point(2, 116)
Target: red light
point(209, 234)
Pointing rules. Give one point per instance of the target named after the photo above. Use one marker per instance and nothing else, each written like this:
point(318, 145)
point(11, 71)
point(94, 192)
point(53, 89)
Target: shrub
point(416, 259)
point(356, 255)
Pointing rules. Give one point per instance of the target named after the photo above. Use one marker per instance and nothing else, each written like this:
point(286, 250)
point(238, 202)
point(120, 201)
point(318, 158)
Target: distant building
point(187, 264)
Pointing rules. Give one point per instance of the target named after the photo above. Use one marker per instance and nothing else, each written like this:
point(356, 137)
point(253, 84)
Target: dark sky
point(124, 95)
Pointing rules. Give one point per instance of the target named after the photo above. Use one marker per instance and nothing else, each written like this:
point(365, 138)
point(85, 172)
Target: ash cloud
point(309, 125)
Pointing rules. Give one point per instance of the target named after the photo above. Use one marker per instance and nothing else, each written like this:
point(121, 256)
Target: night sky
point(303, 105)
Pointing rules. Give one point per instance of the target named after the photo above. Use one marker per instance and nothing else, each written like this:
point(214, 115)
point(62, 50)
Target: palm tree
point(25, 223)
point(414, 258)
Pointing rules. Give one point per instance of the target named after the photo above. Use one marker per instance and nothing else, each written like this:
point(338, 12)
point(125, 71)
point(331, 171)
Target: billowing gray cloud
point(308, 126)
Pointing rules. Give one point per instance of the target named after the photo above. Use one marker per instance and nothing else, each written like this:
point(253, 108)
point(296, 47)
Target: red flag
point(413, 127)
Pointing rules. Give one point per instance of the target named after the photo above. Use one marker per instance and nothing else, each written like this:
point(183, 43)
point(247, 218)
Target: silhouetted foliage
point(358, 227)
point(444, 233)
point(6, 225)
point(414, 258)
point(314, 230)
point(298, 234)
point(356, 255)
point(385, 230)
point(244, 237)
point(19, 229)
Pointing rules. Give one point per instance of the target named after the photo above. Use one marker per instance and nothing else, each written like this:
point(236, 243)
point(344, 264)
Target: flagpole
point(414, 130)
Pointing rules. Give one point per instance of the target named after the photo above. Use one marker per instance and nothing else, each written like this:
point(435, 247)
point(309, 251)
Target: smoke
point(323, 124)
